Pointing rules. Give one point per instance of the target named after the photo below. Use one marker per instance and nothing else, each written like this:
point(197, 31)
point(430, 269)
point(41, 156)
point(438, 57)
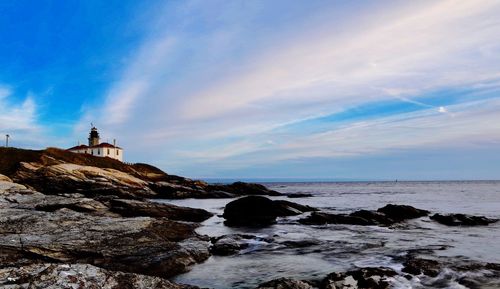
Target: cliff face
point(61, 212)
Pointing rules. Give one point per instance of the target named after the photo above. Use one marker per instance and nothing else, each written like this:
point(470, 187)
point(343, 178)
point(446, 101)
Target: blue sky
point(261, 89)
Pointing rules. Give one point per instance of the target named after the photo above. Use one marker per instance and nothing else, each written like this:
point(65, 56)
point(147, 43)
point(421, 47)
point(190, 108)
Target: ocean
point(337, 248)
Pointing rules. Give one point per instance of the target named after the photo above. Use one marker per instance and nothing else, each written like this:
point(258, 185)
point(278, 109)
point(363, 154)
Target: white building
point(99, 149)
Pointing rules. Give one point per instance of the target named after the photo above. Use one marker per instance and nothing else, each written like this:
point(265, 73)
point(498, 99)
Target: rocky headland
point(77, 221)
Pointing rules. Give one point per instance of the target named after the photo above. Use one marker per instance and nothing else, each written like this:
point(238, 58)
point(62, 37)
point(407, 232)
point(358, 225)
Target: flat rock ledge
point(144, 245)
point(48, 275)
point(46, 238)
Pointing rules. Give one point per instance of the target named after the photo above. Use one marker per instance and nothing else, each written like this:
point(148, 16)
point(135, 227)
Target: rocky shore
point(75, 221)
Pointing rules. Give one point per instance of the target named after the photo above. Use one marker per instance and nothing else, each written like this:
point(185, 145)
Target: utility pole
point(7, 140)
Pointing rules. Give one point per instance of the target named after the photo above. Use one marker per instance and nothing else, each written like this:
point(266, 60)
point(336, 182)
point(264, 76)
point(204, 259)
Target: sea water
point(344, 247)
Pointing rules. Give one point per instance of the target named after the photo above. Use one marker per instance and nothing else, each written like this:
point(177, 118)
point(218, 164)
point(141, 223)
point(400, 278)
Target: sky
point(338, 90)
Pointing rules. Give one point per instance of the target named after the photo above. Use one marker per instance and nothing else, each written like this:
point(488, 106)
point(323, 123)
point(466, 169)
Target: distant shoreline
point(298, 180)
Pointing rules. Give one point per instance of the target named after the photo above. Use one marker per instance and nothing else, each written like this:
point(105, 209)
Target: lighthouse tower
point(93, 137)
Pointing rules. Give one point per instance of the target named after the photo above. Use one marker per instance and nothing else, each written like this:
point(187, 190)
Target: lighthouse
point(93, 137)
point(98, 149)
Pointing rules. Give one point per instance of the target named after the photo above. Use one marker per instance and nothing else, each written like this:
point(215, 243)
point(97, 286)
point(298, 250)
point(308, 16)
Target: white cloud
point(233, 105)
point(422, 49)
point(19, 120)
point(470, 122)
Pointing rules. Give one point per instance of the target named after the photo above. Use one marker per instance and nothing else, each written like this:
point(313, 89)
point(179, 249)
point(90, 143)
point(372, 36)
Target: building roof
point(105, 145)
point(80, 147)
point(101, 145)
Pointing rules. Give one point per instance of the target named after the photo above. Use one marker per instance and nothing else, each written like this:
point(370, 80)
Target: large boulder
point(259, 211)
point(462, 220)
point(63, 276)
point(250, 211)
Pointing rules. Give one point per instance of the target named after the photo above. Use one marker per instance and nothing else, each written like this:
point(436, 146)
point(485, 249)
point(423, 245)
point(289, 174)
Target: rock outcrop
point(417, 266)
point(402, 212)
point(140, 208)
point(88, 219)
point(41, 235)
point(299, 195)
point(58, 172)
point(244, 189)
point(285, 283)
point(229, 244)
point(363, 278)
point(260, 211)
point(46, 275)
point(385, 216)
point(90, 181)
point(462, 220)
point(157, 247)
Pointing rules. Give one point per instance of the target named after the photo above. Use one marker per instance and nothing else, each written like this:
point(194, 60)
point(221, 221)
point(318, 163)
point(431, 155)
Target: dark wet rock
point(492, 266)
point(166, 190)
point(136, 208)
point(462, 220)
point(169, 190)
point(417, 266)
point(287, 208)
point(469, 282)
point(259, 211)
point(300, 195)
point(250, 211)
point(244, 189)
point(388, 215)
point(144, 245)
point(363, 278)
point(229, 244)
point(373, 217)
point(300, 243)
point(321, 218)
point(285, 283)
point(62, 276)
point(402, 212)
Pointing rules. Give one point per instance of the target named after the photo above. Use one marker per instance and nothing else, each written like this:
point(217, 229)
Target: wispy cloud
point(19, 119)
point(214, 94)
